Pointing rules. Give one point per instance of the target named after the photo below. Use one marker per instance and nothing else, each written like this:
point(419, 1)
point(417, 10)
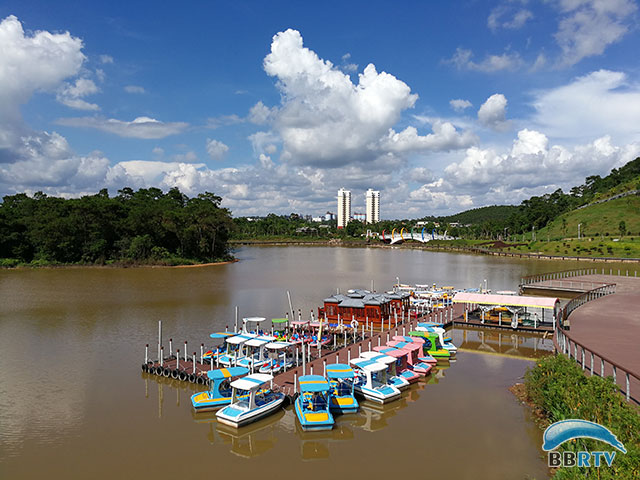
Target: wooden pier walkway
point(453, 315)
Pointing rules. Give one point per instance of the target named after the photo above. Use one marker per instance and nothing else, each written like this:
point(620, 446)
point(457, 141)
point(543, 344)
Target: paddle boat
point(235, 349)
point(413, 362)
point(371, 381)
point(341, 379)
point(250, 400)
point(446, 343)
point(279, 357)
point(393, 378)
point(248, 328)
point(317, 339)
point(255, 355)
point(219, 393)
point(402, 362)
point(422, 356)
point(299, 335)
point(280, 327)
point(432, 345)
point(312, 405)
point(210, 355)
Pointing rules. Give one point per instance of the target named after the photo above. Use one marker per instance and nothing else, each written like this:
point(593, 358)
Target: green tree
point(622, 227)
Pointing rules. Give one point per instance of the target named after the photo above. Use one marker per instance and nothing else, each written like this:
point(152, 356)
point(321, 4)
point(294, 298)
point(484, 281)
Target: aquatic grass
point(558, 387)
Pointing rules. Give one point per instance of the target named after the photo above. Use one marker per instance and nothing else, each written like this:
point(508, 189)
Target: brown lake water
point(74, 403)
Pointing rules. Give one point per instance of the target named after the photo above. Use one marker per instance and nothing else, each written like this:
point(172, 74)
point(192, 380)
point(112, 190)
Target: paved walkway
point(609, 326)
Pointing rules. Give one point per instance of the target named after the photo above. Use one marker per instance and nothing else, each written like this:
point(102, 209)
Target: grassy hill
point(600, 220)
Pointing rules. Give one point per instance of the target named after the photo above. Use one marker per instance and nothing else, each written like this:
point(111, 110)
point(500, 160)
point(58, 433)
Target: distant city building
point(317, 219)
point(373, 206)
point(329, 216)
point(344, 207)
point(359, 216)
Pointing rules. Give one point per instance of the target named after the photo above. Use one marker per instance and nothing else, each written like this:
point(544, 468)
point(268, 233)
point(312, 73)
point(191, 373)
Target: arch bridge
point(403, 236)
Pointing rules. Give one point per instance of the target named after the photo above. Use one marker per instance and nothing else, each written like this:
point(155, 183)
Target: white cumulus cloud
point(216, 149)
point(72, 95)
point(492, 112)
point(461, 59)
point(326, 120)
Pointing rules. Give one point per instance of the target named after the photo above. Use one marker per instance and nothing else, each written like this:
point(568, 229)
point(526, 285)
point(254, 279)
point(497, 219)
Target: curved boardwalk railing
point(586, 357)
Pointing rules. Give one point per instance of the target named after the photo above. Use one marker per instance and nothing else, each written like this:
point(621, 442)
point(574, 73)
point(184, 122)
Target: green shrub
point(560, 389)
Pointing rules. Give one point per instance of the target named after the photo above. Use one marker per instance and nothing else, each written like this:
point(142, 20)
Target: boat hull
point(378, 396)
point(313, 421)
point(343, 404)
point(246, 417)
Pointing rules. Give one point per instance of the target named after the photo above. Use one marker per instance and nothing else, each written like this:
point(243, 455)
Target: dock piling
point(295, 383)
point(159, 337)
point(146, 354)
point(170, 347)
point(185, 350)
point(236, 324)
point(178, 359)
point(194, 363)
point(202, 353)
point(161, 355)
point(359, 350)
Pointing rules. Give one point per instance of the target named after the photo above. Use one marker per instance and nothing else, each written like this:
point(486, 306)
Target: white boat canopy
point(379, 357)
point(278, 345)
point(253, 319)
point(259, 341)
point(252, 382)
point(240, 339)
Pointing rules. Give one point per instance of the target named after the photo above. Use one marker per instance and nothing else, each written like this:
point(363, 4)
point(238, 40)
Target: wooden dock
point(184, 370)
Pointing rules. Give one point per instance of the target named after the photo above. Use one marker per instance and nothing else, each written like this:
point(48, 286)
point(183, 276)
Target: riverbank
point(557, 389)
point(10, 263)
point(455, 246)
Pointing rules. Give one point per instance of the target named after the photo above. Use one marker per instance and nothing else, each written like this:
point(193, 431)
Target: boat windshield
point(379, 379)
point(241, 398)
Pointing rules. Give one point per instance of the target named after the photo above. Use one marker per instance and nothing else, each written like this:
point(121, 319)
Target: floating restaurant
point(365, 306)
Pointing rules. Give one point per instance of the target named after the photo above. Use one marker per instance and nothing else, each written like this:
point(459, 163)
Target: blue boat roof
point(405, 338)
point(227, 372)
point(340, 370)
point(364, 363)
point(313, 383)
point(222, 334)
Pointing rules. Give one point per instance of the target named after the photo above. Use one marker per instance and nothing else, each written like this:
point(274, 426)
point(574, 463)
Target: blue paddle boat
point(312, 405)
point(341, 379)
point(393, 378)
point(371, 381)
point(251, 400)
point(235, 349)
point(219, 393)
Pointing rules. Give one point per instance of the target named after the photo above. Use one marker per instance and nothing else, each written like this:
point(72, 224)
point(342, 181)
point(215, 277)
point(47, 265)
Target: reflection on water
point(498, 342)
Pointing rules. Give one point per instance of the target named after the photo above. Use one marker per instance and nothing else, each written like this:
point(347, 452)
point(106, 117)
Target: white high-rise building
point(344, 207)
point(373, 206)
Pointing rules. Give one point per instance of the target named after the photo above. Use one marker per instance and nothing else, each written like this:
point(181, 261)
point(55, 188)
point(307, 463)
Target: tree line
point(134, 226)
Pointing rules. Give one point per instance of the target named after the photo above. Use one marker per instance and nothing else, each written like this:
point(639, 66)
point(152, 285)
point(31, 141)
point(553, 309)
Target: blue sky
point(442, 106)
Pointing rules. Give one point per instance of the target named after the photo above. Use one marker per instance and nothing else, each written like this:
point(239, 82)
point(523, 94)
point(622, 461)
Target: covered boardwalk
point(513, 310)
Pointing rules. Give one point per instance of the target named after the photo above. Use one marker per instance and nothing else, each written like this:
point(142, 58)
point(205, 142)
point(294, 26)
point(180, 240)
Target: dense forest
point(147, 226)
